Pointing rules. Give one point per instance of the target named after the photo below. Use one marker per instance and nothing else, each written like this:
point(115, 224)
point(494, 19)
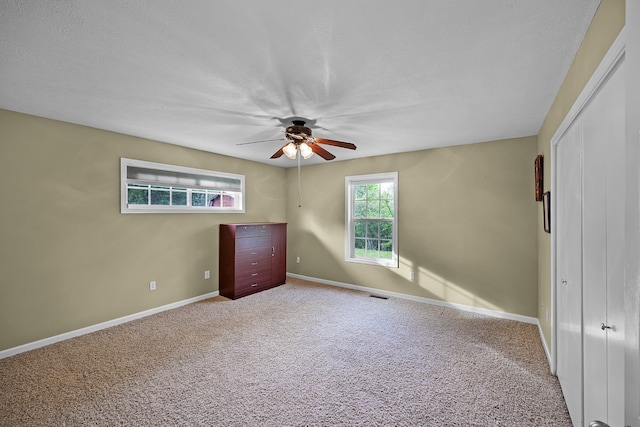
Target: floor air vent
point(378, 296)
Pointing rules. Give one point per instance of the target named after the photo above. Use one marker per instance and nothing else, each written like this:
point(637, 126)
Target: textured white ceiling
point(389, 76)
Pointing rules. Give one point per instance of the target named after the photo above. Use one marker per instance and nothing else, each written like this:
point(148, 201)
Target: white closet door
point(595, 261)
point(616, 248)
point(603, 251)
point(569, 269)
point(590, 257)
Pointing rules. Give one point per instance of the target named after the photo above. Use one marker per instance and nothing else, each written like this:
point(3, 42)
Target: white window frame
point(185, 178)
point(350, 183)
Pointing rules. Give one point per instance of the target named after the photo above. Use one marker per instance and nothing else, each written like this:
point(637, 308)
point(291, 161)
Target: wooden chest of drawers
point(252, 257)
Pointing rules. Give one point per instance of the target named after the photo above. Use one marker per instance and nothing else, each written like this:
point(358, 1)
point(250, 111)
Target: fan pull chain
point(299, 199)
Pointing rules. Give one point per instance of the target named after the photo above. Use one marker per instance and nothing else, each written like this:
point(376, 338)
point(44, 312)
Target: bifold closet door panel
point(569, 268)
point(603, 253)
point(594, 282)
point(616, 201)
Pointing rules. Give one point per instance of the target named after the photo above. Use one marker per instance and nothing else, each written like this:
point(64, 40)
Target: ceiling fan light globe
point(290, 150)
point(305, 151)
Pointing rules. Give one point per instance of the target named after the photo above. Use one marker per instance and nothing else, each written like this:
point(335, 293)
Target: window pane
point(359, 228)
point(360, 209)
point(159, 197)
point(211, 194)
point(373, 191)
point(198, 199)
point(138, 196)
point(227, 200)
point(386, 191)
point(386, 209)
point(372, 230)
point(386, 247)
point(386, 230)
point(360, 246)
point(372, 248)
point(373, 209)
point(214, 199)
point(360, 192)
point(179, 198)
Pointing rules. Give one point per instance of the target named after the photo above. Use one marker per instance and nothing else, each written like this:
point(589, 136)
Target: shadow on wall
point(442, 288)
point(332, 266)
point(312, 246)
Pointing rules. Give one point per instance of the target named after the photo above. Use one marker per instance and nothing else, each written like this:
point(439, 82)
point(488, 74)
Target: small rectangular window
point(148, 187)
point(371, 219)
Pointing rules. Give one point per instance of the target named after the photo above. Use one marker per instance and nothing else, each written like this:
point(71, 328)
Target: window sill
point(373, 261)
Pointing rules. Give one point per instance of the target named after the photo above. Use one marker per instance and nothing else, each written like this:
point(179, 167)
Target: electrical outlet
point(207, 274)
point(298, 259)
point(152, 285)
point(412, 276)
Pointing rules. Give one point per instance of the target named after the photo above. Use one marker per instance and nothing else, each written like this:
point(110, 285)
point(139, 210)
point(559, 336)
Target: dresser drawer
point(247, 268)
point(253, 254)
point(263, 230)
point(253, 242)
point(250, 289)
point(253, 278)
point(245, 231)
point(252, 265)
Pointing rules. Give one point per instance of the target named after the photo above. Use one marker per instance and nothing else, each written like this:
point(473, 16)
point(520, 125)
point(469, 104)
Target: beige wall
point(70, 259)
point(604, 29)
point(467, 225)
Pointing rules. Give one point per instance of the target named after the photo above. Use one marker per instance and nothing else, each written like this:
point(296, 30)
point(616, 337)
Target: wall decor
point(538, 177)
point(546, 211)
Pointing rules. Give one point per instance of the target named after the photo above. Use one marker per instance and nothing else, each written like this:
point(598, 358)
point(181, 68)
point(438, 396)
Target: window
point(148, 187)
point(372, 219)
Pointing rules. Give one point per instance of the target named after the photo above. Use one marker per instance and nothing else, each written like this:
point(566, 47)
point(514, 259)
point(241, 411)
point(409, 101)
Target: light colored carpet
point(301, 354)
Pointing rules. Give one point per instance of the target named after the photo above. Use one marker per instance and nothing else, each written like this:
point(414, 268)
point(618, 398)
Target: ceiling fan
point(299, 140)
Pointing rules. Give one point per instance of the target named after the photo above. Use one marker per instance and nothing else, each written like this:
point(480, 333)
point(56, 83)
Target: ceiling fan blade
point(348, 145)
point(278, 153)
point(264, 140)
point(322, 152)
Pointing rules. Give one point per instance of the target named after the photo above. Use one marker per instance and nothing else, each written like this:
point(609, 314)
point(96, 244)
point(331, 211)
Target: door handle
point(596, 423)
point(603, 327)
point(563, 281)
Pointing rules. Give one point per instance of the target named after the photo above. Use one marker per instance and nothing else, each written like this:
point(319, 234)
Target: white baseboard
point(82, 331)
point(479, 310)
point(57, 338)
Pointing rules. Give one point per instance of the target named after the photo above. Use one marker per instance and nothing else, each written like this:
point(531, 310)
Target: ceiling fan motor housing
point(298, 128)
